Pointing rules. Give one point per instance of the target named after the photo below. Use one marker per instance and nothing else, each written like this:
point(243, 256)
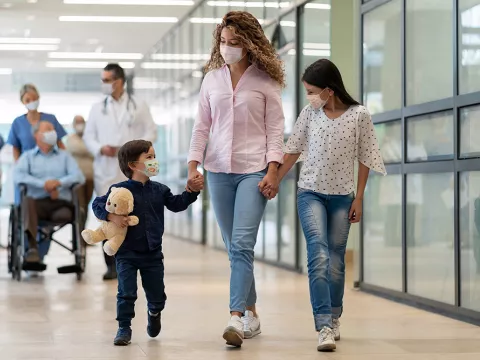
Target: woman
point(240, 105)
point(21, 137)
point(330, 133)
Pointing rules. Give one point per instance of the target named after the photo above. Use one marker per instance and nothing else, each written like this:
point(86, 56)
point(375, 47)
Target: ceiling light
point(287, 23)
point(27, 47)
point(318, 6)
point(95, 55)
point(130, 2)
point(118, 19)
point(158, 65)
point(185, 57)
point(205, 20)
point(310, 52)
point(319, 46)
point(29, 41)
point(32, 1)
point(85, 64)
point(249, 4)
point(5, 71)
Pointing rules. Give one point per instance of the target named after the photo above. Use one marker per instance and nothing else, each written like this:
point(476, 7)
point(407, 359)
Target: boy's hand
point(119, 220)
point(195, 182)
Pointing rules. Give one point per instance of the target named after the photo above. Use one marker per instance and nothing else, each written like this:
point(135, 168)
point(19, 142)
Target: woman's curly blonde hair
point(248, 31)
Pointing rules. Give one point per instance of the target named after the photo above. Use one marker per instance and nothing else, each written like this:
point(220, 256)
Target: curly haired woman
point(240, 106)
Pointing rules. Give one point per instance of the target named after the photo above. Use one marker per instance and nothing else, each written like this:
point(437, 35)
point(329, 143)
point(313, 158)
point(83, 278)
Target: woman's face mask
point(79, 128)
point(316, 100)
point(33, 105)
point(231, 55)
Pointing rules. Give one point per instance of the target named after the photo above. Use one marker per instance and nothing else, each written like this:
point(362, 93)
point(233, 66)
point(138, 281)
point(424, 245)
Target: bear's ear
point(130, 206)
point(113, 189)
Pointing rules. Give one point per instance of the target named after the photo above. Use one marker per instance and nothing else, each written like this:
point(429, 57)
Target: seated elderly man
point(48, 172)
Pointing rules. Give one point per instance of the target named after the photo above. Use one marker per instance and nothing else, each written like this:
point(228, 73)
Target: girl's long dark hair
point(324, 74)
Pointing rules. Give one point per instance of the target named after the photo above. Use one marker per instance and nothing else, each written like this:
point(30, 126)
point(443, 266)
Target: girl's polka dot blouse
point(329, 149)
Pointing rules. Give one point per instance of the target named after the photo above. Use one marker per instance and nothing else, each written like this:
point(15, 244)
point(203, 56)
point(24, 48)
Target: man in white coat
point(118, 118)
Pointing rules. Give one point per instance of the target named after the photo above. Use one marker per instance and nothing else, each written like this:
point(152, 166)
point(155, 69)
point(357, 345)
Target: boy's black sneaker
point(124, 336)
point(154, 324)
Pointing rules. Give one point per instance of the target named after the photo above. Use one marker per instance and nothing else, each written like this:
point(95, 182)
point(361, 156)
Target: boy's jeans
point(325, 223)
point(239, 206)
point(151, 270)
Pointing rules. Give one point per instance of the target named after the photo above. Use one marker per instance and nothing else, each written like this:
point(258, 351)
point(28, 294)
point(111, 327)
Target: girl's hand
point(195, 181)
point(269, 185)
point(355, 214)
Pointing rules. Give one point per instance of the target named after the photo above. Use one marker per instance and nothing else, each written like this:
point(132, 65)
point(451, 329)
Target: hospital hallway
point(54, 317)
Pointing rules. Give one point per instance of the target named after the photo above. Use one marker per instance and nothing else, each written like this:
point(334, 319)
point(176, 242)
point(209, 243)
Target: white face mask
point(50, 137)
point(231, 55)
point(79, 128)
point(31, 106)
point(151, 167)
point(316, 101)
point(107, 89)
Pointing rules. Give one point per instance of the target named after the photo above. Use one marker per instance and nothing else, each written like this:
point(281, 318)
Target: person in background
point(241, 117)
point(48, 173)
point(117, 119)
point(76, 146)
point(331, 133)
point(20, 136)
point(2, 142)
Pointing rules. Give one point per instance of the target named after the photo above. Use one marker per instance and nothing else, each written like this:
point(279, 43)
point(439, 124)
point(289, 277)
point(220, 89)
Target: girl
point(330, 133)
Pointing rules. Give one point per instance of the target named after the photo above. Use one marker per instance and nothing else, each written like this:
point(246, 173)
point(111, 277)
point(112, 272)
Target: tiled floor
point(54, 317)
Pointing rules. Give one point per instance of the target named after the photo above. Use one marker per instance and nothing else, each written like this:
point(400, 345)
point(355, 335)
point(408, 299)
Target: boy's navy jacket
point(150, 200)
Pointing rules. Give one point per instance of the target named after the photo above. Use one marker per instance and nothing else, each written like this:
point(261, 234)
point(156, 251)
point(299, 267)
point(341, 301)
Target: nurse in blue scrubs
point(21, 137)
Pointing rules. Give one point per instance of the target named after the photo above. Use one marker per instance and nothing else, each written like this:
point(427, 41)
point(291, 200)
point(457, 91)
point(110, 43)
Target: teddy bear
point(119, 202)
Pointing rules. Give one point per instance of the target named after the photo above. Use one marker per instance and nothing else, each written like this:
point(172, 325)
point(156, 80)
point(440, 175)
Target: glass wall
point(420, 79)
point(300, 35)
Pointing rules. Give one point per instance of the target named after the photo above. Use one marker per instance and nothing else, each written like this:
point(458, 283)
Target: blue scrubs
point(21, 137)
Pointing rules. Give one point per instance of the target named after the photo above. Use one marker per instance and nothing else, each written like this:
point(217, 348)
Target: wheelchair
point(46, 229)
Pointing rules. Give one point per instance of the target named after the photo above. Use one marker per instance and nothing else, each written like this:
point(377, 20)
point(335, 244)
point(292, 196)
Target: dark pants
point(36, 210)
point(151, 270)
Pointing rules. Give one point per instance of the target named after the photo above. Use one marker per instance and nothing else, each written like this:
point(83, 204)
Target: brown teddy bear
point(119, 202)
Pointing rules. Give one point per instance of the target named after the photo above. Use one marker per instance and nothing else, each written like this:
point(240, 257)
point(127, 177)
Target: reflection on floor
point(54, 317)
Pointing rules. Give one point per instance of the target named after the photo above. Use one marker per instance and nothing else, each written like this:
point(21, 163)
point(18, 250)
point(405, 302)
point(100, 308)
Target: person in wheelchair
point(48, 174)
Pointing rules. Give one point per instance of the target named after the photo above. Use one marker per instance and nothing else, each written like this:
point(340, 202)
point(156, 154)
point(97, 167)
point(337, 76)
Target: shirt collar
point(138, 183)
point(120, 100)
point(37, 151)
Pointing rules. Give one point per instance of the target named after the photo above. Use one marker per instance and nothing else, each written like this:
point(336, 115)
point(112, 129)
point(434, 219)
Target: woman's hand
point(269, 185)
point(355, 214)
point(195, 180)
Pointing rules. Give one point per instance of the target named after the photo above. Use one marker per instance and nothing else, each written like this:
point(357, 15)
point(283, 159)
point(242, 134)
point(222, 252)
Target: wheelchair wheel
point(11, 227)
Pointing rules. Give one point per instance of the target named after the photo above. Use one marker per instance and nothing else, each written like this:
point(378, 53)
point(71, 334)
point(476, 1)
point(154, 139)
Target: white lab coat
point(114, 126)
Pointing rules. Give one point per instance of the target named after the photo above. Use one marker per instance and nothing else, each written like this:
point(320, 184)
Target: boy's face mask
point(151, 167)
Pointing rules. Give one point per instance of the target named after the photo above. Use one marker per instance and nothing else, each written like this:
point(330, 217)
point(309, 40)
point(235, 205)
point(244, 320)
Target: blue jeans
point(152, 272)
point(325, 223)
point(239, 207)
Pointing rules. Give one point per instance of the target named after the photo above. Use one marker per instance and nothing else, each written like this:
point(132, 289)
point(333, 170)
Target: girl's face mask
point(316, 100)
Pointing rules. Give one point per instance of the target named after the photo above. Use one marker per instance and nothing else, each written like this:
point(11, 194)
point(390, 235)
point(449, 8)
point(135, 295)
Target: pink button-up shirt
point(243, 127)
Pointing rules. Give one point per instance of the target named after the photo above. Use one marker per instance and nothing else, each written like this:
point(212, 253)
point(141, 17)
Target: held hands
point(269, 185)
point(195, 181)
point(355, 214)
point(51, 185)
point(108, 150)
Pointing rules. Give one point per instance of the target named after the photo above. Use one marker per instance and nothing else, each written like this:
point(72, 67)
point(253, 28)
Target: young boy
point(142, 248)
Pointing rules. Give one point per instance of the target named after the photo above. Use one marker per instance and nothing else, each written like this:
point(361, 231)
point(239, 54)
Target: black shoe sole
point(122, 343)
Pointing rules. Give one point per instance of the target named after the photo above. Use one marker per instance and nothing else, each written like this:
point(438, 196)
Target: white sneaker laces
point(325, 334)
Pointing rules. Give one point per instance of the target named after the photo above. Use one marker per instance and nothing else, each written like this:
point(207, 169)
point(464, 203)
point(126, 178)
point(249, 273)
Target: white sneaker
point(233, 333)
point(251, 325)
point(336, 329)
point(326, 340)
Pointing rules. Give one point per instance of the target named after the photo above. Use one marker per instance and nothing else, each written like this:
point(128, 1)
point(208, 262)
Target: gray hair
point(26, 89)
point(36, 127)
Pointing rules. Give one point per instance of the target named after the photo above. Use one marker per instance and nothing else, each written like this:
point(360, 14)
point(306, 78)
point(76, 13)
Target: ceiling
point(39, 19)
